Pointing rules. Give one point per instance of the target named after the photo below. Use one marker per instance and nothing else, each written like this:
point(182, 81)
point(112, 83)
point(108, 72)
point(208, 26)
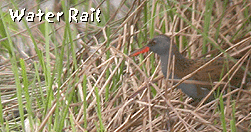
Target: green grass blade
point(15, 71)
point(98, 108)
point(222, 115)
point(26, 93)
point(233, 122)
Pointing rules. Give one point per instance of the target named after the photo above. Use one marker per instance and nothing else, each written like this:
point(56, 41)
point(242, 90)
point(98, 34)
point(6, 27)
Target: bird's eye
point(153, 42)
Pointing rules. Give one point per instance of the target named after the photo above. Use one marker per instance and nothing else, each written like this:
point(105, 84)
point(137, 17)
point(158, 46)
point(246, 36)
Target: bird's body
point(211, 73)
point(183, 66)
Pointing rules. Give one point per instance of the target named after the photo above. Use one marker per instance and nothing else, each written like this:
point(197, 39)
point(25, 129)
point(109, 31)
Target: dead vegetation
point(131, 94)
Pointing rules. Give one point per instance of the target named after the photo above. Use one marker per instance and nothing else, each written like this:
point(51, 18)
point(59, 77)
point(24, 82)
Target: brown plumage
point(183, 66)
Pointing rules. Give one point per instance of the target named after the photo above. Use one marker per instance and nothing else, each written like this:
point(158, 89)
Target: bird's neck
point(181, 67)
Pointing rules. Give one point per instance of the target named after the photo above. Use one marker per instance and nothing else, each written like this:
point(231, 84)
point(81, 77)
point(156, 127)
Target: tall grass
point(78, 77)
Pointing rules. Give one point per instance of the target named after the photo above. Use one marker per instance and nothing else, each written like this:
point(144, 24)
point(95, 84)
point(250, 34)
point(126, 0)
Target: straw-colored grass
point(78, 76)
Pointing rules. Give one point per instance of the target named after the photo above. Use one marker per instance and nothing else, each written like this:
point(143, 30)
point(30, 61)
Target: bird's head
point(159, 45)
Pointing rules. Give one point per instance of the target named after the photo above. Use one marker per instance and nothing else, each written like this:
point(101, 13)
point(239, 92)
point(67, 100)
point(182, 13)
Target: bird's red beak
point(140, 51)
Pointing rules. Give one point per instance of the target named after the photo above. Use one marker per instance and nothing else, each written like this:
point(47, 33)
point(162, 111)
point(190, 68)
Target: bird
point(161, 45)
